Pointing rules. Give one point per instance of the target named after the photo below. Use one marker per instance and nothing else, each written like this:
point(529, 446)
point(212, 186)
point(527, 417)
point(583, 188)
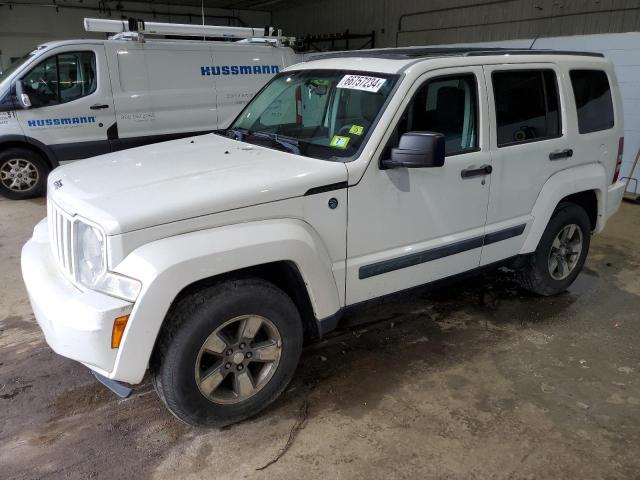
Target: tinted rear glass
point(593, 100)
point(526, 106)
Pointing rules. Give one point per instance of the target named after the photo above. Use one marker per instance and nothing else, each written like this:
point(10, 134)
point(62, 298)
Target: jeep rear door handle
point(557, 155)
point(476, 172)
point(98, 106)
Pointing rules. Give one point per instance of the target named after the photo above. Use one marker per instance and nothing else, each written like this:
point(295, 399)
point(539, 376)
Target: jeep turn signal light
point(119, 325)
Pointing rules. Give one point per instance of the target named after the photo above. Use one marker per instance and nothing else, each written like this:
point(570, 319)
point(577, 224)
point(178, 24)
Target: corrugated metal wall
point(413, 22)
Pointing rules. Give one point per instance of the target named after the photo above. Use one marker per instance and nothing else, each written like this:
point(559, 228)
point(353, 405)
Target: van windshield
point(15, 65)
point(325, 114)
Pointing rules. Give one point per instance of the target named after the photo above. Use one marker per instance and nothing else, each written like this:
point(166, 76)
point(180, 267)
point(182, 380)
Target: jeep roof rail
point(426, 52)
point(135, 29)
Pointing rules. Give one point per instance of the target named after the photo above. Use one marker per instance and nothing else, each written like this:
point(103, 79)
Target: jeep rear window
point(527, 106)
point(324, 114)
point(593, 100)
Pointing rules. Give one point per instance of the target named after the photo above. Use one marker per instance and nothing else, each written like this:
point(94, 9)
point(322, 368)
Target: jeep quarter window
point(593, 100)
point(527, 107)
point(325, 114)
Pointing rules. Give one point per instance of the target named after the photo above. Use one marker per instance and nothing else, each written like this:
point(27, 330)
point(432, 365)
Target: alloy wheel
point(19, 174)
point(565, 252)
point(238, 359)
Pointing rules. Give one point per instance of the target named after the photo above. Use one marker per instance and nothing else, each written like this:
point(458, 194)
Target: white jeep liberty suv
point(352, 176)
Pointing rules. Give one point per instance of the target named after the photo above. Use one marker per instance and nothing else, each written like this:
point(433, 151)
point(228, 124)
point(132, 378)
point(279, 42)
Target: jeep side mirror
point(23, 99)
point(417, 150)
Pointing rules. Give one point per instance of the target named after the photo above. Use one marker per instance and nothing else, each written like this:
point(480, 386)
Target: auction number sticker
point(360, 82)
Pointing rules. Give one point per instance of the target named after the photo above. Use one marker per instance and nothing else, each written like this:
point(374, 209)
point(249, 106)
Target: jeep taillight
point(619, 159)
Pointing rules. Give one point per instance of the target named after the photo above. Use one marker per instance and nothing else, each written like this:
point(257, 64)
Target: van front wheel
point(23, 174)
point(227, 352)
point(561, 252)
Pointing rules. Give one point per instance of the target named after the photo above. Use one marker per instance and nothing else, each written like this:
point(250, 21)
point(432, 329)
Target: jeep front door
point(410, 226)
point(71, 102)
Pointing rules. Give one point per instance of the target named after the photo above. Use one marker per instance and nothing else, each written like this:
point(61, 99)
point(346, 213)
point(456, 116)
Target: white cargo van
point(81, 98)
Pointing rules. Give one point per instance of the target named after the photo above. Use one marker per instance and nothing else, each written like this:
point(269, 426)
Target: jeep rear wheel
point(561, 252)
point(23, 174)
point(227, 352)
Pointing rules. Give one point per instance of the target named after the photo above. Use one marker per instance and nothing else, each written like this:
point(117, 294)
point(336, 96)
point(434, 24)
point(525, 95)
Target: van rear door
point(71, 103)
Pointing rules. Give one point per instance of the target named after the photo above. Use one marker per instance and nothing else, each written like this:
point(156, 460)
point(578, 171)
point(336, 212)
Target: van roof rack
point(136, 29)
point(418, 52)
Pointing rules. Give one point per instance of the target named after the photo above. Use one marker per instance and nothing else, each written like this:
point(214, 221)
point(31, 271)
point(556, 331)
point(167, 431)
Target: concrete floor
point(473, 380)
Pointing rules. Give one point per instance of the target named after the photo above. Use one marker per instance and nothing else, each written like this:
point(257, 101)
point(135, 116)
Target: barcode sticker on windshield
point(359, 82)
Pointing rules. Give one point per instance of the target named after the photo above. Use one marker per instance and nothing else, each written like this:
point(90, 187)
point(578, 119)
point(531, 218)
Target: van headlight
point(91, 265)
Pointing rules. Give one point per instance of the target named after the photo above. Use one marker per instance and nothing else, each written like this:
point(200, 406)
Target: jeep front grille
point(61, 235)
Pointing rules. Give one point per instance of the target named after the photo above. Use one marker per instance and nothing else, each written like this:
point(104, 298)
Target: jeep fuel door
point(71, 103)
point(410, 226)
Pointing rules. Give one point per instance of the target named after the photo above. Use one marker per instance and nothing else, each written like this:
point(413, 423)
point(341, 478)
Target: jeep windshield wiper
point(290, 144)
point(236, 133)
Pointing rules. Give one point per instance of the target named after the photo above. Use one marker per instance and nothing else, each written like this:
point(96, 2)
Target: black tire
point(536, 275)
point(40, 168)
point(193, 319)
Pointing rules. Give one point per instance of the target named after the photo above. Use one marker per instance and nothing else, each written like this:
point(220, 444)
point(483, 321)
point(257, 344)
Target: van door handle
point(476, 172)
point(557, 155)
point(98, 106)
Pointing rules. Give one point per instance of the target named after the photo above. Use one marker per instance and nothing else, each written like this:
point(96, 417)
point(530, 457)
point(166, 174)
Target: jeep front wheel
point(561, 252)
point(227, 352)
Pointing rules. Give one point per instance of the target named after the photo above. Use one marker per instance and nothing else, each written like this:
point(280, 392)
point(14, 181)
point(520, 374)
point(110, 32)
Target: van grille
point(61, 235)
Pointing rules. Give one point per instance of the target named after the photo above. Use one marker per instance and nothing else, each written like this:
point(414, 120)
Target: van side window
point(593, 100)
point(61, 79)
point(527, 106)
point(446, 105)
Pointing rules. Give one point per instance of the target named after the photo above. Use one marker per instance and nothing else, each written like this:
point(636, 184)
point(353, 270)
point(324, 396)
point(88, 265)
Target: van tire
point(539, 275)
point(190, 324)
point(16, 161)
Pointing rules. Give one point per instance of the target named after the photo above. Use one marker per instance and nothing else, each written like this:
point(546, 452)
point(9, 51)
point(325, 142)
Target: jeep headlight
point(90, 254)
point(91, 265)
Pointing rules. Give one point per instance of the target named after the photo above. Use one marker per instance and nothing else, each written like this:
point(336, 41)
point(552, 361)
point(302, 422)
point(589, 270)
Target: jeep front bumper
point(76, 324)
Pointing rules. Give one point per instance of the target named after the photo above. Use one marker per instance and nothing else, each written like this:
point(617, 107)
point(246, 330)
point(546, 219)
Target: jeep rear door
point(527, 105)
point(71, 102)
point(410, 226)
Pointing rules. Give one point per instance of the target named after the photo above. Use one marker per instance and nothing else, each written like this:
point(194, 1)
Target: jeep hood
point(181, 179)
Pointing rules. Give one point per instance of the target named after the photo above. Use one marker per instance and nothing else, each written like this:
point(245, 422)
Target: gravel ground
point(474, 379)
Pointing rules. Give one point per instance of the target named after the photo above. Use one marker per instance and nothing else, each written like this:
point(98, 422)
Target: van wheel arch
point(42, 152)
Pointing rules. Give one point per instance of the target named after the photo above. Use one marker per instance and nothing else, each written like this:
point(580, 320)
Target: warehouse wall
point(454, 21)
point(24, 26)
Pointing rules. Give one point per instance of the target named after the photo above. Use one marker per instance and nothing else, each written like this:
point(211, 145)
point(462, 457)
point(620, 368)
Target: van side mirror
point(23, 99)
point(417, 150)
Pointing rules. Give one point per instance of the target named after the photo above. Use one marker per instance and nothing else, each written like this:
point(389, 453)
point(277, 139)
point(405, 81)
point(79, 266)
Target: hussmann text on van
point(49, 122)
point(239, 69)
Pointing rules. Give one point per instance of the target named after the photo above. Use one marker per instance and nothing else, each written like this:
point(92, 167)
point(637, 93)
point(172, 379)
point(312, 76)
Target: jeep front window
point(326, 114)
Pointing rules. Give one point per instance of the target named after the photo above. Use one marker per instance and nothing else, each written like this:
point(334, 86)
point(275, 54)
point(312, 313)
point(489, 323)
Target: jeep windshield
point(325, 114)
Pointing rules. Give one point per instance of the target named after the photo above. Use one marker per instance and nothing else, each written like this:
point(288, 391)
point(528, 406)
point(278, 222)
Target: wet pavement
point(474, 379)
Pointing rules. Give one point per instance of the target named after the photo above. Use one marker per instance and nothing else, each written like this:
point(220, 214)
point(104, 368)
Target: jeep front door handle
point(476, 172)
point(98, 106)
point(558, 154)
